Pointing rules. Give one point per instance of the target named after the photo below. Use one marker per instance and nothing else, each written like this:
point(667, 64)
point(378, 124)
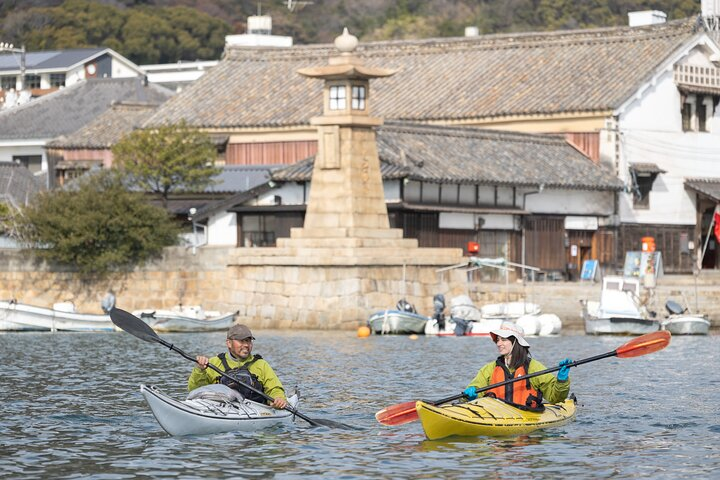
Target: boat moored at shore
point(15, 316)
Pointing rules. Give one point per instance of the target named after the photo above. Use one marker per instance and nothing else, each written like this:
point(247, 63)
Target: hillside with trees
point(154, 31)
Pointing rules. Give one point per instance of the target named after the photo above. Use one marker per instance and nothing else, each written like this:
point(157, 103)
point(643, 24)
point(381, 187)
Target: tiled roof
point(710, 187)
point(438, 79)
point(17, 184)
point(475, 156)
point(302, 171)
point(645, 167)
point(107, 128)
point(239, 178)
point(70, 108)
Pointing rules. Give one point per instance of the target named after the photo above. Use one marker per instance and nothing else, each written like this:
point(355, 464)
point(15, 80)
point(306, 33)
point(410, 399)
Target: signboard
point(589, 270)
point(639, 264)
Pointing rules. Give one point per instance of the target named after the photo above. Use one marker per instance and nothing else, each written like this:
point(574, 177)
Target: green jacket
point(261, 369)
point(553, 391)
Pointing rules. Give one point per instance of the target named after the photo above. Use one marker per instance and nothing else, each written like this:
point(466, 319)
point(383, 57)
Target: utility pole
point(8, 47)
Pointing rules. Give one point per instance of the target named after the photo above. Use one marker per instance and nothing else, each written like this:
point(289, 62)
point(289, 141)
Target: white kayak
point(212, 409)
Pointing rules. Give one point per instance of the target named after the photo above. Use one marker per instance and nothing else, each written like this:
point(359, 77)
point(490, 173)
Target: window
point(7, 82)
point(337, 97)
point(696, 111)
point(57, 79)
point(358, 97)
point(642, 184)
point(32, 81)
point(258, 230)
point(687, 117)
point(31, 162)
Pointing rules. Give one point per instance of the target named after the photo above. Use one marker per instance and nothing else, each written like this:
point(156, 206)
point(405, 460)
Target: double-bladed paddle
point(402, 413)
point(134, 326)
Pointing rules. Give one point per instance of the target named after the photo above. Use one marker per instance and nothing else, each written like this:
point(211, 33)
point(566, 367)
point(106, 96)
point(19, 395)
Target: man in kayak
point(241, 364)
point(515, 361)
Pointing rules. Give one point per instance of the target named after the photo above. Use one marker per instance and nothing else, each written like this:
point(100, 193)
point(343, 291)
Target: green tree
point(168, 159)
point(97, 227)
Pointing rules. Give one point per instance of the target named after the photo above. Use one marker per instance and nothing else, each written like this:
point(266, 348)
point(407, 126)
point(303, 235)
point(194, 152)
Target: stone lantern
point(346, 196)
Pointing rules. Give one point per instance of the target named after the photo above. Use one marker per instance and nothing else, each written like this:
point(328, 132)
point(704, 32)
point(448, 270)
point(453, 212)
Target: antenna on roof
point(293, 4)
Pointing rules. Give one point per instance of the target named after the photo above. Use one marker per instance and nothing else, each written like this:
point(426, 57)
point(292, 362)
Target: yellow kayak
point(489, 416)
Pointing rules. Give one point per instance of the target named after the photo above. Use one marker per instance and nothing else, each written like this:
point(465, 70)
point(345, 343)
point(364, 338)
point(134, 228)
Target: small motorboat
point(489, 416)
point(15, 316)
point(213, 409)
point(681, 322)
point(184, 318)
point(402, 320)
point(619, 311)
point(465, 319)
point(468, 320)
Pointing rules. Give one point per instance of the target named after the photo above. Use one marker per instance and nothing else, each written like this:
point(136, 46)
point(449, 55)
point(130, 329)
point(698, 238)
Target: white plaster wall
point(498, 222)
point(571, 202)
point(651, 132)
point(222, 229)
point(10, 149)
point(392, 191)
point(121, 69)
point(290, 194)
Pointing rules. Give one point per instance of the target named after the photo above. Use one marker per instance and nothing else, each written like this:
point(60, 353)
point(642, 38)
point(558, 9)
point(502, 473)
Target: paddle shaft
point(525, 377)
point(259, 392)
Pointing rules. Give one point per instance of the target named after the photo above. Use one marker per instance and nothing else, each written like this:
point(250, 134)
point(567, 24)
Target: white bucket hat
point(509, 329)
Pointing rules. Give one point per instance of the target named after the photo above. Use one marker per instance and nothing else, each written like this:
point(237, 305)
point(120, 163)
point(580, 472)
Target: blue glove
point(564, 371)
point(470, 393)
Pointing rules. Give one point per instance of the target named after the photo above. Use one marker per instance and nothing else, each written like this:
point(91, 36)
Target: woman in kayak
point(241, 364)
point(515, 361)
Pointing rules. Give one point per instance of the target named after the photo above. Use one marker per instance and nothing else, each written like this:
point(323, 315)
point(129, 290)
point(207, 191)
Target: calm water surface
point(71, 408)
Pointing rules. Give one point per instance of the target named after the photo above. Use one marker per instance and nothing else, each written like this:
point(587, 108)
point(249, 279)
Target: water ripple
point(72, 409)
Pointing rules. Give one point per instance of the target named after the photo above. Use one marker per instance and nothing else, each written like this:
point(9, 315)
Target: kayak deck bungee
point(489, 416)
point(201, 416)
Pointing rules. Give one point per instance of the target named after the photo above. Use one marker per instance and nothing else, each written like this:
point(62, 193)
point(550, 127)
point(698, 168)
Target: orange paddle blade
point(398, 414)
point(642, 345)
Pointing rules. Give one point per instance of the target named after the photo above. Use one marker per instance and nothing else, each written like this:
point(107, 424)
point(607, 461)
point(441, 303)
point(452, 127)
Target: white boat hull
point(397, 322)
point(619, 311)
point(202, 417)
point(480, 328)
point(21, 317)
point(618, 324)
point(686, 324)
point(173, 321)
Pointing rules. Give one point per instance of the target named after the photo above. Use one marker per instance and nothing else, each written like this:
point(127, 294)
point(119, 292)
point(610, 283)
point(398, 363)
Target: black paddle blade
point(134, 326)
point(331, 424)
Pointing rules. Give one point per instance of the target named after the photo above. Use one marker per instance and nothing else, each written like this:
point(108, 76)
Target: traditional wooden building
point(637, 100)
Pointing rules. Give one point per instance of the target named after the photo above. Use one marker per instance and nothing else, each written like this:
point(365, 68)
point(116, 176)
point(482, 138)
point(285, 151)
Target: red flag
point(717, 226)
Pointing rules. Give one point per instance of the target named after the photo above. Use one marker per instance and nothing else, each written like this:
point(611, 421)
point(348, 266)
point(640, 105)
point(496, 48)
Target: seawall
point(207, 279)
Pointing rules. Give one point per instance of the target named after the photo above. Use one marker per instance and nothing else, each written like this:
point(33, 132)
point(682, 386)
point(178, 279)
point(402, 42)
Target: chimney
point(646, 17)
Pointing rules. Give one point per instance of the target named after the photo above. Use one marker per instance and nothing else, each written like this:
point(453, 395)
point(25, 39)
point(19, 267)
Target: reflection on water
point(71, 407)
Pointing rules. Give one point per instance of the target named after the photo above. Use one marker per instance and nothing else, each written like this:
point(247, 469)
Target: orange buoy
point(363, 331)
point(413, 337)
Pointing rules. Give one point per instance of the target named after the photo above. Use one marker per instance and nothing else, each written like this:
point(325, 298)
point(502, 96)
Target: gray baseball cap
point(239, 332)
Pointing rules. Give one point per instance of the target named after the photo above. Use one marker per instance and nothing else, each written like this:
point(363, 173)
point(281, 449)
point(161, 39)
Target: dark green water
point(71, 408)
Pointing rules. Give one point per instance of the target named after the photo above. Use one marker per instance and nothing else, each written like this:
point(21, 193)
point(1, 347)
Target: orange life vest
point(519, 393)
